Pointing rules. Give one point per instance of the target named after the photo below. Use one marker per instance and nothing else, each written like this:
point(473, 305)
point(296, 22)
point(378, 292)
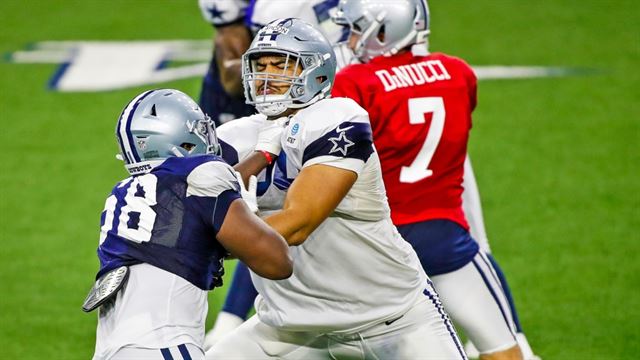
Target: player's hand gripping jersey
point(356, 253)
point(238, 140)
point(420, 110)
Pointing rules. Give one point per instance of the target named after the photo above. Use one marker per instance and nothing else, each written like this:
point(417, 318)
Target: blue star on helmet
point(215, 13)
point(341, 143)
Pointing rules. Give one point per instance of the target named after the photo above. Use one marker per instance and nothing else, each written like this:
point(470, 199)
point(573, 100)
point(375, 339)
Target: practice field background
point(557, 162)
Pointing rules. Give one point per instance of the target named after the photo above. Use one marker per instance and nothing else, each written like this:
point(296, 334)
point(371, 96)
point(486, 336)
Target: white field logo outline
point(92, 66)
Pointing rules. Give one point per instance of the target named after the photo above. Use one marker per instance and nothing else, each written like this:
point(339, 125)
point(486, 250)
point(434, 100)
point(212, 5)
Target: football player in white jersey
point(357, 290)
point(222, 97)
point(232, 18)
point(235, 22)
point(165, 231)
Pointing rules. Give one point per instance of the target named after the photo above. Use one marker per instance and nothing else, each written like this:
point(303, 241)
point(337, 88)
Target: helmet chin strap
point(271, 109)
point(176, 152)
point(273, 106)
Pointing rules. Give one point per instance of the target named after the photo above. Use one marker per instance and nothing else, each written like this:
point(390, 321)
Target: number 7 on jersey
point(419, 168)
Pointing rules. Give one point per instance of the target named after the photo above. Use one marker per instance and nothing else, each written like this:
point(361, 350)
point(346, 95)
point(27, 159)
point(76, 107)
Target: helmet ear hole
point(153, 111)
point(321, 79)
point(187, 146)
point(381, 33)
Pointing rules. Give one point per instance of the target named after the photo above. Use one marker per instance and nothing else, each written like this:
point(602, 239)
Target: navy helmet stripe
point(120, 140)
point(273, 35)
point(126, 141)
point(128, 125)
point(284, 21)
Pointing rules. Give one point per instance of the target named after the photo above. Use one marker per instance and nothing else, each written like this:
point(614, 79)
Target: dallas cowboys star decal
point(340, 143)
point(215, 13)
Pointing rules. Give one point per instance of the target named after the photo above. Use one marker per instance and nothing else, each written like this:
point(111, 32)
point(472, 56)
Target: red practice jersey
point(420, 110)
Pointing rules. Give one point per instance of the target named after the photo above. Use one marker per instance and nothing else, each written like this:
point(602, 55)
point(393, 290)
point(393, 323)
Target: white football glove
point(249, 193)
point(270, 135)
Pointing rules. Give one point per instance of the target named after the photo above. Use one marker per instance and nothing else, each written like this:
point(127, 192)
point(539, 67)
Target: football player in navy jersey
point(166, 229)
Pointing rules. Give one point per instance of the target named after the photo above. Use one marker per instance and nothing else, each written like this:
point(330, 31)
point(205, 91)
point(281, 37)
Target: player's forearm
point(292, 225)
point(231, 42)
point(230, 76)
point(274, 261)
point(252, 165)
point(312, 197)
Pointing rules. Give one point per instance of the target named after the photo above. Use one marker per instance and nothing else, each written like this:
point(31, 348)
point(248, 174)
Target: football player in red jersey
point(420, 107)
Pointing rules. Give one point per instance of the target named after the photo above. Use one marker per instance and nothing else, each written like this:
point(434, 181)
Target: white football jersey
point(223, 12)
point(238, 139)
point(354, 269)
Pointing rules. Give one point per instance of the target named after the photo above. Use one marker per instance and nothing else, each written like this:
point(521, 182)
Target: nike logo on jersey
point(338, 129)
point(389, 322)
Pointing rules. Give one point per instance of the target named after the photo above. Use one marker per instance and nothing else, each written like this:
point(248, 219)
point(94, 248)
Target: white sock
point(527, 353)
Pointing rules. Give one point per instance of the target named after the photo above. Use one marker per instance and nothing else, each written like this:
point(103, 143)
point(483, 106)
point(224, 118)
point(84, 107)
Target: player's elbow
point(298, 237)
point(278, 270)
point(275, 262)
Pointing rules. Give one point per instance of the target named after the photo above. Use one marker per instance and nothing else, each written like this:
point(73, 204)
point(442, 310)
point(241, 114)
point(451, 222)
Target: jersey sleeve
point(215, 187)
point(223, 12)
point(472, 83)
point(336, 132)
point(238, 138)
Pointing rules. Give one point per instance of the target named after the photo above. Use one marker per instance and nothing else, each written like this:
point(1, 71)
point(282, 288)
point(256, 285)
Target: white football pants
point(182, 352)
point(424, 332)
point(474, 298)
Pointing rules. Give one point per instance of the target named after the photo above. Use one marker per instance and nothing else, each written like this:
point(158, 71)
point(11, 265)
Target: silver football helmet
point(158, 124)
point(302, 48)
point(403, 23)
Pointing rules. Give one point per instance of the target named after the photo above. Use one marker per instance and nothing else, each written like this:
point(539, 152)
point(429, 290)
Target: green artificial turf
point(556, 159)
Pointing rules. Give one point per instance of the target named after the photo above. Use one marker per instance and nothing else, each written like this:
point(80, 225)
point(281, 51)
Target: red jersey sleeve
point(472, 83)
point(344, 85)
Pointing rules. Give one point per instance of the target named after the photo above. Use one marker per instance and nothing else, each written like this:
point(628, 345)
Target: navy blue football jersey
point(169, 218)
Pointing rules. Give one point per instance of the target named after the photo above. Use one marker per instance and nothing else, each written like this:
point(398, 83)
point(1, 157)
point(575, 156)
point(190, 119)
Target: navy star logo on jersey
point(341, 143)
point(215, 13)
